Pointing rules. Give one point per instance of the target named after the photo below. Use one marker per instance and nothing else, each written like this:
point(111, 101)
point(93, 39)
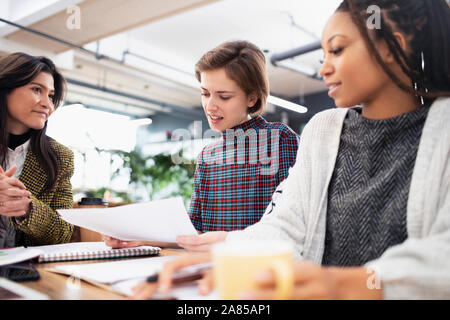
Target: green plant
point(158, 174)
point(100, 193)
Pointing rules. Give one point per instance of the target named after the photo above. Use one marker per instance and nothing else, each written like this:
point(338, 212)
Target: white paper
point(182, 291)
point(161, 220)
point(111, 272)
point(24, 293)
point(14, 255)
point(74, 247)
point(122, 276)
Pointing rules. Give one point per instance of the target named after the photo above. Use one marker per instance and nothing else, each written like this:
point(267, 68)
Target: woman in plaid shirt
point(237, 175)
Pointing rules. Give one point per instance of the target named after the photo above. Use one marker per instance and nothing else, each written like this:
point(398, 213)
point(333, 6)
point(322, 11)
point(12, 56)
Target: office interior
point(129, 66)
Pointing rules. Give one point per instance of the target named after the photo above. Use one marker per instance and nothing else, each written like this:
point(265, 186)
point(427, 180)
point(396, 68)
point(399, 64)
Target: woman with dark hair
point(38, 179)
point(367, 204)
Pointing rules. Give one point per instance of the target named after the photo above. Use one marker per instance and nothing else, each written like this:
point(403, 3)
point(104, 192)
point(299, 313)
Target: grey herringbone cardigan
point(368, 192)
point(418, 267)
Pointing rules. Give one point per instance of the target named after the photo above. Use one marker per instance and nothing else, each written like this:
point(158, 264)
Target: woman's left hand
point(201, 242)
point(313, 281)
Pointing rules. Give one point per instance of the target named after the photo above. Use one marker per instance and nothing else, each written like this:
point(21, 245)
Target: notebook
point(90, 251)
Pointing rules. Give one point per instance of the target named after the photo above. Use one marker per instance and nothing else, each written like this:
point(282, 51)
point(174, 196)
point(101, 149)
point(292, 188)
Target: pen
point(190, 273)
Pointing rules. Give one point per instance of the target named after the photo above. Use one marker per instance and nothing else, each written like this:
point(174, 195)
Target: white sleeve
point(419, 268)
point(297, 213)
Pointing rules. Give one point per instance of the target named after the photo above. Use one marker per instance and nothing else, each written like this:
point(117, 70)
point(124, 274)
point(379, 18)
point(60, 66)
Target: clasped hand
point(14, 197)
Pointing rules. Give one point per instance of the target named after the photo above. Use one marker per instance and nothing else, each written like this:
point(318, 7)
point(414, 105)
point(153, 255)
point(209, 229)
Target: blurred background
point(133, 103)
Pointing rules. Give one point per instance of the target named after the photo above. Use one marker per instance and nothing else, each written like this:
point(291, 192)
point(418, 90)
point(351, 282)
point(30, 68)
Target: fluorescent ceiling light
point(142, 122)
point(286, 104)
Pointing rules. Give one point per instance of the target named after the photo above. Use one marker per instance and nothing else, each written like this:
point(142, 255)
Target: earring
point(422, 102)
point(423, 61)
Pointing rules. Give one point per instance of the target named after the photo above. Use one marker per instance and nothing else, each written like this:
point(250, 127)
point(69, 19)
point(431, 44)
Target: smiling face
point(30, 106)
point(349, 69)
point(225, 103)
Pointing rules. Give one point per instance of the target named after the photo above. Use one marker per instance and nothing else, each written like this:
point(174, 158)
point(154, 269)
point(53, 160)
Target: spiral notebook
point(90, 251)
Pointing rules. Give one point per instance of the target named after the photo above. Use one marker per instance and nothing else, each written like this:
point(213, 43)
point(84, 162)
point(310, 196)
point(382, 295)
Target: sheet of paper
point(14, 255)
point(182, 291)
point(161, 220)
point(10, 290)
point(74, 247)
point(111, 272)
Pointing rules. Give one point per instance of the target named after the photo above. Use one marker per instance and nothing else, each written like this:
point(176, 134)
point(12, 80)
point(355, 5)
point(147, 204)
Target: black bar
point(295, 52)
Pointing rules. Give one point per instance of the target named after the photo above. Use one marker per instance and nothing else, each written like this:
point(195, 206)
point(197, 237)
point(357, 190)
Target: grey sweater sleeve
point(419, 267)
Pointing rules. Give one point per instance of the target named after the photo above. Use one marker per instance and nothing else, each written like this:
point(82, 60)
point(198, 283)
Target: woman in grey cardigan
point(367, 203)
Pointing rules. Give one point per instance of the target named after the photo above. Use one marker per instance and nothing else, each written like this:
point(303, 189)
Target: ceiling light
point(142, 122)
point(286, 104)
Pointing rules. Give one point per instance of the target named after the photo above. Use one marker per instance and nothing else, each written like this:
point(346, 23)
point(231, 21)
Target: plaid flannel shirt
point(236, 176)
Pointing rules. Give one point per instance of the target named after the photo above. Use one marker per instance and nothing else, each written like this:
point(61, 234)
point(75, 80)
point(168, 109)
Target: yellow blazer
point(43, 225)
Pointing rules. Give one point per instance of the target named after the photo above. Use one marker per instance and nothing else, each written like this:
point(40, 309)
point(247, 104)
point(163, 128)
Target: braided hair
point(426, 27)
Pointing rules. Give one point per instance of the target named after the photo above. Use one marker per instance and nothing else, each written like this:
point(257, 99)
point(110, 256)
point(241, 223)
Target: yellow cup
point(237, 263)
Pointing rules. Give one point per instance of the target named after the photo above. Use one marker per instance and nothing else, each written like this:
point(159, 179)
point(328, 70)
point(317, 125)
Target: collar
point(253, 123)
point(14, 141)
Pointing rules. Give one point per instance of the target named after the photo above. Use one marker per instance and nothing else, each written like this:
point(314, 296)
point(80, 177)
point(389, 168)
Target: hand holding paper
point(161, 220)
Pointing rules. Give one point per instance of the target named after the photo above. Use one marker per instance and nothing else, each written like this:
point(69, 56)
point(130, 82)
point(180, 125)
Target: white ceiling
point(275, 26)
point(171, 33)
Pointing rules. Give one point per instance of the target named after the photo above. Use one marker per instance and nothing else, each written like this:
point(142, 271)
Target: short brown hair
point(245, 64)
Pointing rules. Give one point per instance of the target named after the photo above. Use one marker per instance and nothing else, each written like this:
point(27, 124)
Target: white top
point(417, 268)
point(17, 157)
point(13, 157)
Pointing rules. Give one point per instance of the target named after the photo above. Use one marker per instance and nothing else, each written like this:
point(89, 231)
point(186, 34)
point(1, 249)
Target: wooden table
point(58, 287)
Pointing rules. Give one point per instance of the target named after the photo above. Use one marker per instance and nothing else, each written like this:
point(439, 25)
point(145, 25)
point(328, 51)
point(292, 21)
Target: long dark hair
point(17, 70)
point(426, 26)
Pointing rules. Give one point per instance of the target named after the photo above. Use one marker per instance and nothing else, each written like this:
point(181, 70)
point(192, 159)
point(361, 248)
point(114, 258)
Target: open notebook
point(72, 251)
point(90, 251)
